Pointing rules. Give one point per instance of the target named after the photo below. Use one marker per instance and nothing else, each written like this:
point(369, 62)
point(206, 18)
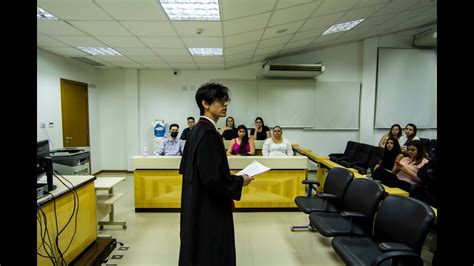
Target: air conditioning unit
point(292, 70)
point(426, 39)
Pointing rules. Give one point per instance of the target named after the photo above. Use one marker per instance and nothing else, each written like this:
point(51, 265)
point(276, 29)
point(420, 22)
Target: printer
point(71, 161)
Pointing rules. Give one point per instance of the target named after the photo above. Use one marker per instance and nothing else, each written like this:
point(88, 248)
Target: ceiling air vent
point(87, 61)
point(292, 70)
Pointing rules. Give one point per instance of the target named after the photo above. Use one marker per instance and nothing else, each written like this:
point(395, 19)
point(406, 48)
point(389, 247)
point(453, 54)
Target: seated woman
point(392, 152)
point(404, 173)
point(260, 132)
point(410, 134)
point(395, 131)
point(229, 131)
point(241, 145)
point(428, 191)
point(277, 145)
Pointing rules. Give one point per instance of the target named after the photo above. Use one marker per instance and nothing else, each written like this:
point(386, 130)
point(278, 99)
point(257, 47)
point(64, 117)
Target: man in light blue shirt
point(171, 146)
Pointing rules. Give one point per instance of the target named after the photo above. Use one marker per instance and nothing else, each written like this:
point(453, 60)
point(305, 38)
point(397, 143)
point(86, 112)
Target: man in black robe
point(208, 191)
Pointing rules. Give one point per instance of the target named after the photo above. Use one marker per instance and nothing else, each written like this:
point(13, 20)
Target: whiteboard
point(243, 104)
point(286, 103)
point(308, 104)
point(406, 88)
point(337, 105)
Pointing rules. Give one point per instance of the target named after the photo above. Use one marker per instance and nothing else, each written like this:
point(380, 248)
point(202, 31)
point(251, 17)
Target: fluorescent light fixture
point(42, 14)
point(99, 51)
point(191, 9)
point(343, 26)
point(206, 51)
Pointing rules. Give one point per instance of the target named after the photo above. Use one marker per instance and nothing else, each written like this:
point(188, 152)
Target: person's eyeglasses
point(223, 101)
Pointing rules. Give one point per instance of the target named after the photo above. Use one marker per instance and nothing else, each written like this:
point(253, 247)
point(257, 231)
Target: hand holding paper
point(253, 169)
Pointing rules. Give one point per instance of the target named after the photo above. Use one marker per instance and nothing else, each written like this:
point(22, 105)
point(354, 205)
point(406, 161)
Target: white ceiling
point(248, 29)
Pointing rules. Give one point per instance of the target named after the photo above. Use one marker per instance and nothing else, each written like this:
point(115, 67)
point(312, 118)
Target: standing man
point(207, 226)
point(171, 146)
point(186, 131)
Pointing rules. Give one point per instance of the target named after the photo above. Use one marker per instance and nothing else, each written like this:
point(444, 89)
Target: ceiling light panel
point(191, 9)
point(206, 51)
point(343, 26)
point(106, 51)
point(44, 15)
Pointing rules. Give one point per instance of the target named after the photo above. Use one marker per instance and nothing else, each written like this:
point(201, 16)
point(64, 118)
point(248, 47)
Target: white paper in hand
point(253, 169)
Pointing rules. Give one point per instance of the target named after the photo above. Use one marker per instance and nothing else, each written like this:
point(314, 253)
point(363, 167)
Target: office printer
point(71, 161)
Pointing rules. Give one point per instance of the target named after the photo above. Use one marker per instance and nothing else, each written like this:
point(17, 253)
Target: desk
point(157, 182)
point(108, 200)
point(325, 164)
point(85, 228)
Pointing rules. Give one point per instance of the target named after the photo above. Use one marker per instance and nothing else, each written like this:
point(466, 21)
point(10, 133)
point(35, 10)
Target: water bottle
point(369, 173)
point(145, 152)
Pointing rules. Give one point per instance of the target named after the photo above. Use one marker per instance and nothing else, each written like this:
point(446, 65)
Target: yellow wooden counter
point(86, 226)
point(157, 183)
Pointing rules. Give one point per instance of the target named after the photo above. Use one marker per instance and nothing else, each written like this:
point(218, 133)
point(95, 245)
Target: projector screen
point(406, 88)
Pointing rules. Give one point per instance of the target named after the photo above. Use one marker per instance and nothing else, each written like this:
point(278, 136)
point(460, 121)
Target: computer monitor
point(44, 163)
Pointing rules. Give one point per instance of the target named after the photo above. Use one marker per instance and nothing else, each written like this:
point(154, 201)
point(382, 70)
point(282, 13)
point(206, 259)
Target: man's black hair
point(190, 118)
point(210, 92)
point(174, 125)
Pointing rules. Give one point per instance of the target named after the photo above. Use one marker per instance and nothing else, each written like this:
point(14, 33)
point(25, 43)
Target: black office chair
point(361, 157)
point(330, 200)
point(361, 200)
point(400, 228)
point(375, 157)
point(432, 147)
point(349, 152)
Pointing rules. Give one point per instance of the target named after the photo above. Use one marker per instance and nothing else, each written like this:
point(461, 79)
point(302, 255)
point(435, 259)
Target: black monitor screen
point(41, 153)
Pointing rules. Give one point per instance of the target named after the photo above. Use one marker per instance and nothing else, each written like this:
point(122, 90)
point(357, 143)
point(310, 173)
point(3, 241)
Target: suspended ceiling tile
point(121, 42)
point(203, 42)
point(146, 59)
point(309, 33)
point(65, 51)
point(272, 32)
point(162, 42)
point(240, 48)
point(322, 21)
point(80, 41)
point(55, 27)
point(133, 9)
point(242, 38)
point(290, 3)
point(103, 28)
point(365, 3)
point(292, 14)
point(150, 28)
point(74, 10)
point(209, 59)
point(190, 28)
point(334, 6)
point(274, 41)
point(246, 24)
point(183, 65)
point(167, 51)
point(42, 40)
point(360, 13)
point(236, 9)
point(396, 7)
point(177, 58)
point(210, 66)
point(135, 51)
point(239, 56)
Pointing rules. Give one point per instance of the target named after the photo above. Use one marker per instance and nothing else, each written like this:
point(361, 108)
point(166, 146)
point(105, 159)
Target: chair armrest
point(391, 246)
point(414, 258)
point(327, 196)
point(312, 182)
point(348, 214)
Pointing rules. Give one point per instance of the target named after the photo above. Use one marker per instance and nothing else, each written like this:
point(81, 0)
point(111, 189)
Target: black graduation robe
point(208, 191)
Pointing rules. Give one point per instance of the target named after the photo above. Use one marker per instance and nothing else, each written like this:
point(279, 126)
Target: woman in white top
point(277, 145)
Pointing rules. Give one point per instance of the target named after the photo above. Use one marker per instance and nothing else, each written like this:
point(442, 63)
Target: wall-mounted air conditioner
point(292, 70)
point(426, 39)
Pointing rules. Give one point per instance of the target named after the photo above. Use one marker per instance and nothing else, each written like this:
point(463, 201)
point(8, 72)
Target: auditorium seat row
point(362, 156)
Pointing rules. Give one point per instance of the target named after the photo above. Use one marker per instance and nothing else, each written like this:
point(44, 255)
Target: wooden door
point(75, 115)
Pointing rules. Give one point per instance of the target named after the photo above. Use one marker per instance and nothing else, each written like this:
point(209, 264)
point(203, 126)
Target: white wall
point(50, 69)
point(126, 102)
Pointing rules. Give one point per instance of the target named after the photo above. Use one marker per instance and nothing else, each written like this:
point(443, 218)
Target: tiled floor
point(262, 238)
